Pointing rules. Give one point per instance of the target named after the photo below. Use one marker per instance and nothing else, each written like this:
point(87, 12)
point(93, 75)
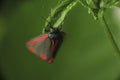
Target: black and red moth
point(46, 46)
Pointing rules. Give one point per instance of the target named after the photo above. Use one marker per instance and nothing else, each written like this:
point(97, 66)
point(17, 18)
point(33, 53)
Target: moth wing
point(43, 49)
point(36, 40)
point(47, 48)
point(38, 47)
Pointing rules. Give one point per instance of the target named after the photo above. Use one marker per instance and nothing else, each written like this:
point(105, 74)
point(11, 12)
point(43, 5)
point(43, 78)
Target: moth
point(46, 46)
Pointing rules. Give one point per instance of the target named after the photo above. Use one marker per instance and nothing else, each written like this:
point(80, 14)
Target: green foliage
point(58, 14)
point(97, 7)
point(118, 5)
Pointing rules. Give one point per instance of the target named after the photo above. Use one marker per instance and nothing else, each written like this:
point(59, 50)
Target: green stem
point(64, 13)
point(58, 14)
point(110, 35)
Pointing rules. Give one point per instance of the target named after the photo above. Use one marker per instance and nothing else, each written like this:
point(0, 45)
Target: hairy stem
point(58, 14)
point(109, 34)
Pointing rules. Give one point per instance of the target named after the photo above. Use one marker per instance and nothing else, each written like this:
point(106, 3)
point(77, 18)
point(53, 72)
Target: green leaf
point(93, 7)
point(118, 4)
point(97, 7)
point(58, 14)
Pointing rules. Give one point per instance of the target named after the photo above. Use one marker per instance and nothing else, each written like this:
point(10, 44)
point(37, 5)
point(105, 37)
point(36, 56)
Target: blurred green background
point(86, 53)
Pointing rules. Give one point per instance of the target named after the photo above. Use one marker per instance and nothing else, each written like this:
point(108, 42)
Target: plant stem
point(58, 14)
point(64, 13)
point(109, 34)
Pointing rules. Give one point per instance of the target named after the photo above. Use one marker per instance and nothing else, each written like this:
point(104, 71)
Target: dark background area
point(86, 53)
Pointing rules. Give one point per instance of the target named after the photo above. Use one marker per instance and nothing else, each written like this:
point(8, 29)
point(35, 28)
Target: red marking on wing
point(41, 38)
point(43, 57)
point(50, 60)
point(32, 49)
point(53, 45)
